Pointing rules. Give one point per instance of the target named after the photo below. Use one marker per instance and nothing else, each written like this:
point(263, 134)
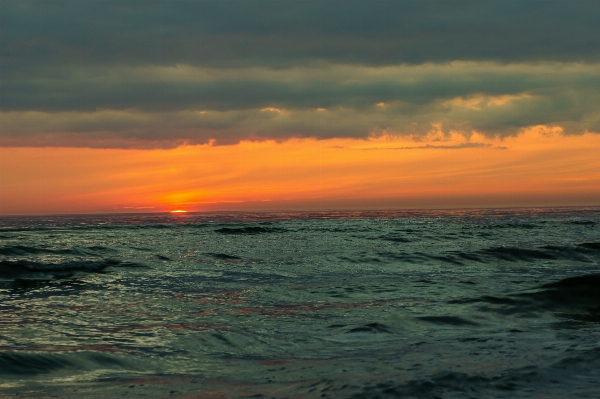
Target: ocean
point(496, 303)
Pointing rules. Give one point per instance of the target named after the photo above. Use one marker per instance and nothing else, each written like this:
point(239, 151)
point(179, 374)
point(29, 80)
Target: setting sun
point(179, 211)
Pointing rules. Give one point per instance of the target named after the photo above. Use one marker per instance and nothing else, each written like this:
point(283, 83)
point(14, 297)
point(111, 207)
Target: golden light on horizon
point(539, 167)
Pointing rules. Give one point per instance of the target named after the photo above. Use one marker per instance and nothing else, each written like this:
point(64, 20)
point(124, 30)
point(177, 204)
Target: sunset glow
point(216, 116)
point(540, 167)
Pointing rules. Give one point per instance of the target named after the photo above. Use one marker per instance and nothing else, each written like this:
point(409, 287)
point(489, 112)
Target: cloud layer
point(157, 74)
point(280, 33)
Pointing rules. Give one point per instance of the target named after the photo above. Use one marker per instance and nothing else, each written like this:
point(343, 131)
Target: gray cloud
point(186, 87)
point(159, 74)
point(281, 33)
point(576, 111)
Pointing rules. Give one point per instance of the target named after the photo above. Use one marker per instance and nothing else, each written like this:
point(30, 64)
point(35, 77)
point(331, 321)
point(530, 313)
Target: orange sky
point(540, 167)
point(315, 105)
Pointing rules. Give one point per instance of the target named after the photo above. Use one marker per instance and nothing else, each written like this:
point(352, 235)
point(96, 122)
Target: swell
point(585, 252)
point(580, 252)
point(575, 298)
point(250, 230)
point(560, 377)
point(24, 268)
point(32, 363)
point(24, 250)
point(580, 292)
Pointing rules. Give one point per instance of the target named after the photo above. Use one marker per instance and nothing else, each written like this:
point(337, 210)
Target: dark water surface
point(419, 304)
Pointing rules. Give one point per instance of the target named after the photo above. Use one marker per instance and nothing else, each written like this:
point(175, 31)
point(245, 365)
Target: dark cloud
point(154, 73)
point(575, 112)
point(282, 33)
point(184, 87)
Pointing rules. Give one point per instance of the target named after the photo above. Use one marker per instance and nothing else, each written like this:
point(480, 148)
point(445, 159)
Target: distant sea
point(496, 303)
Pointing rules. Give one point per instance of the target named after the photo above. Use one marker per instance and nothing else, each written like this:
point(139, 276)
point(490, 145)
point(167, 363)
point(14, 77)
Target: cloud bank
point(161, 74)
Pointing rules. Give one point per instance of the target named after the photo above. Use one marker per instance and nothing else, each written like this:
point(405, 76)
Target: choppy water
point(423, 304)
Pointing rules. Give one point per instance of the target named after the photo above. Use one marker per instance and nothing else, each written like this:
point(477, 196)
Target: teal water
point(417, 304)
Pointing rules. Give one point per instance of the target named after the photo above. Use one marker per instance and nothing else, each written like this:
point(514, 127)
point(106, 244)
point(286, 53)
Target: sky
point(112, 106)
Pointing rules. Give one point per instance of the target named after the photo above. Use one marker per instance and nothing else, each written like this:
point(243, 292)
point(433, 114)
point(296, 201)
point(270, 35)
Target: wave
point(560, 379)
point(449, 320)
point(575, 298)
point(591, 245)
point(583, 222)
point(24, 269)
point(519, 226)
point(585, 252)
point(579, 291)
point(31, 363)
point(250, 230)
point(28, 363)
point(220, 256)
point(23, 250)
point(515, 254)
point(371, 328)
point(394, 238)
point(580, 252)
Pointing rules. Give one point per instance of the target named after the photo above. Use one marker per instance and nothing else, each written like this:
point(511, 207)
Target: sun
point(179, 211)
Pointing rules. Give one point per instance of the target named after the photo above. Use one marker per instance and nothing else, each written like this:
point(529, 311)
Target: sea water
point(419, 304)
